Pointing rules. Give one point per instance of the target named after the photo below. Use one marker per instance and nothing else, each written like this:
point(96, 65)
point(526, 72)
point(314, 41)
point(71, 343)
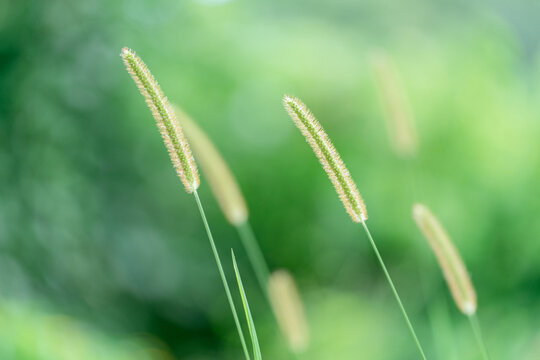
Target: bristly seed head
point(168, 126)
point(454, 270)
point(329, 158)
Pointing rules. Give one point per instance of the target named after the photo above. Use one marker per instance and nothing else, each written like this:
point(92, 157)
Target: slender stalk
point(260, 267)
point(396, 295)
point(222, 274)
point(255, 255)
point(473, 319)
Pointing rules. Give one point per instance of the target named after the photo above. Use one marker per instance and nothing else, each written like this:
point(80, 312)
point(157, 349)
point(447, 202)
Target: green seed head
point(168, 126)
point(329, 158)
point(454, 270)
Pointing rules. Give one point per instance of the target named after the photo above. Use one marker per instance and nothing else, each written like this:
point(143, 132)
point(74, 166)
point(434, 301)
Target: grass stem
point(255, 255)
point(396, 295)
point(260, 267)
point(222, 274)
point(473, 319)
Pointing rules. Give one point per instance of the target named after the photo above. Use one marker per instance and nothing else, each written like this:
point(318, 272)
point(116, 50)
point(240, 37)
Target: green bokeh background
point(103, 254)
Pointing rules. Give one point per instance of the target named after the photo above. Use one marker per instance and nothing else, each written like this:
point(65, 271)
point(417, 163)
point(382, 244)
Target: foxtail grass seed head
point(218, 174)
point(398, 114)
point(170, 130)
point(289, 310)
point(454, 270)
point(328, 156)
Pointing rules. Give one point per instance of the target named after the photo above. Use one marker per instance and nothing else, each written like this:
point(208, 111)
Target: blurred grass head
point(217, 172)
point(289, 309)
point(396, 106)
point(450, 261)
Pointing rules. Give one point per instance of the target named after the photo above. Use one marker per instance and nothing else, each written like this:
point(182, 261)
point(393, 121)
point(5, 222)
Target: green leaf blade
point(251, 324)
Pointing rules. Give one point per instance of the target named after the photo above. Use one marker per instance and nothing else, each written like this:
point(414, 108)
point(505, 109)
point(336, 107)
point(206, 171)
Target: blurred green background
point(103, 255)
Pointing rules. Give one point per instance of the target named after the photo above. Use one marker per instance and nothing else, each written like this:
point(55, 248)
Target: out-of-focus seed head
point(398, 114)
point(452, 266)
point(289, 310)
point(216, 170)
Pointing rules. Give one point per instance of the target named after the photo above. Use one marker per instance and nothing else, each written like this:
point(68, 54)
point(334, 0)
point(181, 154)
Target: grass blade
point(254, 340)
point(222, 275)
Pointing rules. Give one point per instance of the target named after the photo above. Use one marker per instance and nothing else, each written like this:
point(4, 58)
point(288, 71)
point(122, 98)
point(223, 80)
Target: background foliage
point(96, 229)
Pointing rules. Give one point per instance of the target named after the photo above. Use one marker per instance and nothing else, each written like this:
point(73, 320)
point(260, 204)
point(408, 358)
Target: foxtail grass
point(328, 157)
point(227, 192)
point(180, 154)
point(169, 128)
point(452, 266)
point(233, 205)
point(289, 310)
point(343, 183)
point(396, 106)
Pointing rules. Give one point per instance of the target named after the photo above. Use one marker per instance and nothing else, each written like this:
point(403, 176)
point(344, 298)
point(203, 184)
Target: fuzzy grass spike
point(180, 154)
point(346, 188)
point(170, 130)
point(329, 158)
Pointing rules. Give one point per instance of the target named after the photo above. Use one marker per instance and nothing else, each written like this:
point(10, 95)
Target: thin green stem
point(255, 255)
point(473, 319)
point(222, 274)
point(260, 267)
point(396, 295)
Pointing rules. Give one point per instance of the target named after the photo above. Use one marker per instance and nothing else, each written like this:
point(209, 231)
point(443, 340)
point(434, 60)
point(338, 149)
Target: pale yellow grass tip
point(289, 310)
point(218, 174)
point(454, 270)
point(399, 119)
point(170, 130)
point(328, 156)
